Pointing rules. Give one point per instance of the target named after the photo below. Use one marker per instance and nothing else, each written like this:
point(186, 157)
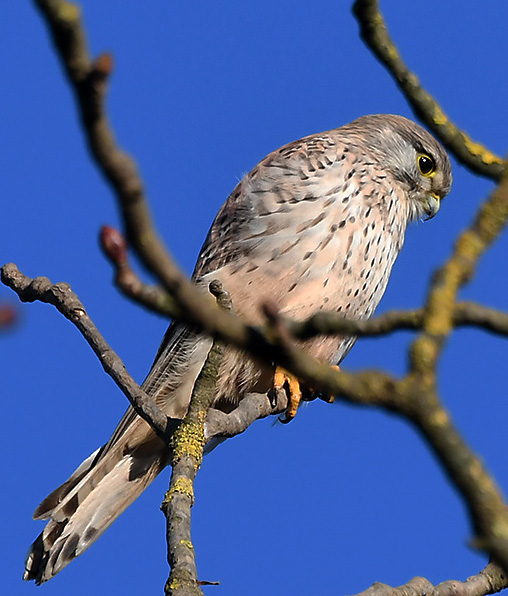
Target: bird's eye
point(426, 165)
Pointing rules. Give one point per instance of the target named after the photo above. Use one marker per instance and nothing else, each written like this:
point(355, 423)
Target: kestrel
point(315, 225)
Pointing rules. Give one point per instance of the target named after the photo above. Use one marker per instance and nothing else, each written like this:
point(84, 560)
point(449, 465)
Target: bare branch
point(65, 300)
point(466, 314)
point(331, 323)
point(472, 314)
point(489, 581)
point(252, 407)
point(438, 321)
point(472, 154)
point(187, 446)
point(154, 298)
point(88, 79)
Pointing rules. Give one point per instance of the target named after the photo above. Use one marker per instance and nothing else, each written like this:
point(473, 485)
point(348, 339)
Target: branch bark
point(465, 314)
point(489, 581)
point(187, 445)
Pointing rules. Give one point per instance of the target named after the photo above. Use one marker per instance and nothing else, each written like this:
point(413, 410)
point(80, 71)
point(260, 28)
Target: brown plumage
point(316, 225)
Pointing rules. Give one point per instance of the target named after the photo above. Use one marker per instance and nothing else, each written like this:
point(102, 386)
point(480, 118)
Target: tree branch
point(489, 581)
point(486, 504)
point(440, 306)
point(470, 153)
point(472, 314)
point(187, 446)
point(153, 298)
point(88, 79)
point(466, 314)
point(66, 302)
point(252, 407)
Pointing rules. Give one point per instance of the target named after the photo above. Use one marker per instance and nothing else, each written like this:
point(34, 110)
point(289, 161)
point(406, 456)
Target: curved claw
point(282, 379)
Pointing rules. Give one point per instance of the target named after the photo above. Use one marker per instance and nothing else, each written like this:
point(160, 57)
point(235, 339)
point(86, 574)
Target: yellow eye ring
point(426, 165)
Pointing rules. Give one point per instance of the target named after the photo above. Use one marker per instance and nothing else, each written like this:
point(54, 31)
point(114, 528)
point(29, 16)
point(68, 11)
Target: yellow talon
point(282, 379)
point(294, 392)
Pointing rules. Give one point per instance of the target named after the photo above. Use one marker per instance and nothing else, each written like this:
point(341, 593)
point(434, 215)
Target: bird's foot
point(282, 379)
point(296, 393)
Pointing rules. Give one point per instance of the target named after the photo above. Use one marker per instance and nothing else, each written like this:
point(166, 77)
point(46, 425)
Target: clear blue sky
point(342, 496)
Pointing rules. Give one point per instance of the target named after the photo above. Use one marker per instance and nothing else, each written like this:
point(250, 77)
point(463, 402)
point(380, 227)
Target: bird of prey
point(317, 224)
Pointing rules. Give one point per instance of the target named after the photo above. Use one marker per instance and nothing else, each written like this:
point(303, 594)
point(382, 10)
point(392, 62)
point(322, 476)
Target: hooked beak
point(431, 205)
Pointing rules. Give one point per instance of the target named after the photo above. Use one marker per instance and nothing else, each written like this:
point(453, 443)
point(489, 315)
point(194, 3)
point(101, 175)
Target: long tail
point(113, 477)
point(82, 508)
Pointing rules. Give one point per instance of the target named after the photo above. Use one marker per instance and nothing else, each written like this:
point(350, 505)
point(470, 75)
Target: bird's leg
point(284, 380)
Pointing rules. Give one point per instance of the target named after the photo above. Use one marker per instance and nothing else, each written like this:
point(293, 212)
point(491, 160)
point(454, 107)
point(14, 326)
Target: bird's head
point(413, 157)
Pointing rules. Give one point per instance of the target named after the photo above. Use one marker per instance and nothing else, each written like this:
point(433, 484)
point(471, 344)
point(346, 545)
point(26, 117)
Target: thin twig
point(466, 314)
point(66, 301)
point(152, 297)
point(472, 314)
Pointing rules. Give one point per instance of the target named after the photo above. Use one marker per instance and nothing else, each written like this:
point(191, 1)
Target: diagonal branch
point(470, 153)
point(88, 79)
point(65, 300)
point(152, 297)
point(486, 505)
point(440, 307)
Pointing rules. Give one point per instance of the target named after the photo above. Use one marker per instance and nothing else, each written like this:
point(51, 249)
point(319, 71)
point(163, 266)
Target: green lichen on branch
point(484, 499)
point(188, 440)
point(441, 306)
point(187, 446)
point(418, 390)
point(182, 486)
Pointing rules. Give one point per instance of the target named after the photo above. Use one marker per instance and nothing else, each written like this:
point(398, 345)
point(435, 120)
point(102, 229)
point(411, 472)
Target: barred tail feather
point(88, 509)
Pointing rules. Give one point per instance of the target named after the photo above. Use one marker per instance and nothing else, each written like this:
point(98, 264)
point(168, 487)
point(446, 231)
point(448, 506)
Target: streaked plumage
point(316, 225)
